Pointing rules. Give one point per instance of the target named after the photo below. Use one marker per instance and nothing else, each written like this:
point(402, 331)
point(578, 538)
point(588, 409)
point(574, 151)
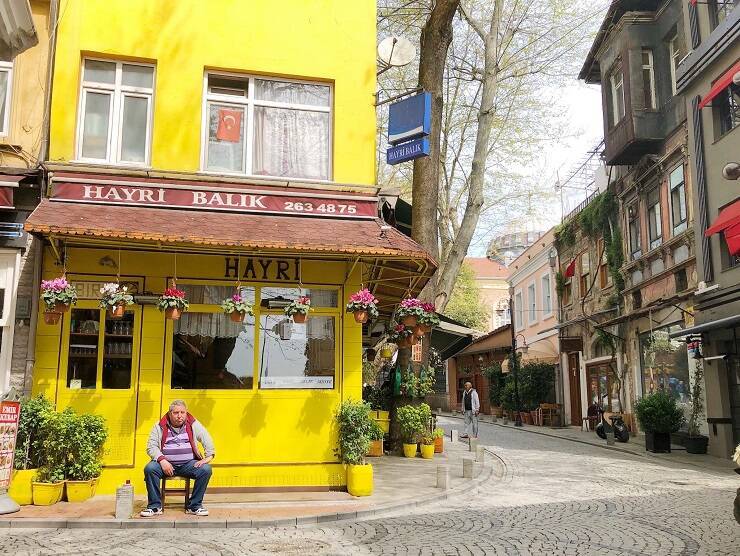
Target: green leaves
point(414, 421)
point(658, 412)
point(355, 431)
point(28, 443)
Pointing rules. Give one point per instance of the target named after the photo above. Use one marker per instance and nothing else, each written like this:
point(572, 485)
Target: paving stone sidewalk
point(398, 483)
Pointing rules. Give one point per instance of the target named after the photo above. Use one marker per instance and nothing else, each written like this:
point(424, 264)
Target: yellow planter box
point(79, 491)
point(409, 450)
point(46, 494)
point(20, 488)
point(360, 480)
point(427, 451)
point(384, 415)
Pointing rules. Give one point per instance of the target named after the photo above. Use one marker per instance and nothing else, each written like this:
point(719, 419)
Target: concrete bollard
point(439, 411)
point(480, 454)
point(494, 419)
point(454, 436)
point(473, 444)
point(443, 477)
point(125, 501)
point(467, 468)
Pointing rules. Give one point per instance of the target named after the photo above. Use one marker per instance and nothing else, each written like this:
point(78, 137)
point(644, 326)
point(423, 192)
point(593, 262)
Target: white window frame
point(673, 55)
point(681, 226)
point(519, 310)
point(531, 303)
point(616, 80)
point(650, 66)
point(7, 67)
point(658, 240)
point(118, 92)
point(9, 264)
point(546, 286)
point(248, 103)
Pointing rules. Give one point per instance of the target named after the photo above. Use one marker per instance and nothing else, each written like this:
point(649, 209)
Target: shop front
point(267, 387)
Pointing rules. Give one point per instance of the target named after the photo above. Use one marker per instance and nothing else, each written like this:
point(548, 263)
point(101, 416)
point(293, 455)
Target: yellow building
point(217, 145)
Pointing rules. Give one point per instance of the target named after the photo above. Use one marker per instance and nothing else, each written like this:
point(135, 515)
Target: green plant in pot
point(413, 422)
point(659, 416)
point(28, 449)
point(696, 443)
point(355, 428)
point(376, 440)
point(439, 437)
point(84, 464)
point(427, 445)
point(48, 485)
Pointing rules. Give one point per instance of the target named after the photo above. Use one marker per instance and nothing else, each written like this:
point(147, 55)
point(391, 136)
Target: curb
point(100, 523)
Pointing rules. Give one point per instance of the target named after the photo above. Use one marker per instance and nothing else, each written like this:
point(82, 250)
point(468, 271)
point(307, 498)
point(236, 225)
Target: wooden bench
point(176, 491)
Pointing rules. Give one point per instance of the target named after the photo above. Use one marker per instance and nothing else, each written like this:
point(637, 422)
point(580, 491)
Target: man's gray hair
point(178, 403)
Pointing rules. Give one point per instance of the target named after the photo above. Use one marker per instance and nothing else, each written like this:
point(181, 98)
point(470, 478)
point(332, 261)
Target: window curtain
point(209, 325)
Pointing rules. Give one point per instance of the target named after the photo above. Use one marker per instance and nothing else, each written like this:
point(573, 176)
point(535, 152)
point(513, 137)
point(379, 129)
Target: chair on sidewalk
point(549, 414)
point(175, 490)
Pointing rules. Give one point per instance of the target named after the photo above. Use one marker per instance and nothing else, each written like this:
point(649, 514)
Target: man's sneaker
point(200, 511)
point(149, 512)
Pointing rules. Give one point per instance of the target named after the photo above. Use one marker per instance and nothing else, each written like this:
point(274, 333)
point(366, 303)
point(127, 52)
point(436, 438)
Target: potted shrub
point(409, 311)
point(658, 416)
point(427, 445)
point(114, 298)
point(363, 305)
point(413, 422)
point(48, 485)
point(85, 456)
point(58, 296)
point(28, 449)
point(237, 307)
point(173, 303)
point(355, 428)
point(439, 437)
point(696, 443)
point(376, 440)
point(426, 320)
point(298, 309)
point(402, 336)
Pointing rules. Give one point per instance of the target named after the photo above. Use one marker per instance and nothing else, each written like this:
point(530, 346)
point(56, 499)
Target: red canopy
point(720, 85)
point(728, 222)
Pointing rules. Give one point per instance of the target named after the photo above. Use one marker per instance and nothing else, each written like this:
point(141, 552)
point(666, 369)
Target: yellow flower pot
point(360, 480)
point(383, 415)
point(79, 491)
point(427, 451)
point(46, 494)
point(20, 488)
point(409, 450)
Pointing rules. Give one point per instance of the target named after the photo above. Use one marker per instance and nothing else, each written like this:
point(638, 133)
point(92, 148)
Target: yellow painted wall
point(27, 96)
point(331, 40)
point(264, 438)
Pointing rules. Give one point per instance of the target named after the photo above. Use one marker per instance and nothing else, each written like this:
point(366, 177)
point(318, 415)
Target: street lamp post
point(515, 361)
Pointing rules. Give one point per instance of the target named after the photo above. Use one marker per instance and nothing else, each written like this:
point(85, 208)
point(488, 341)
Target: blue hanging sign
point(410, 118)
point(407, 151)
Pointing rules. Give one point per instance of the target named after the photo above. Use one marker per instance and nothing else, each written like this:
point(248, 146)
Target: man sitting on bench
point(173, 447)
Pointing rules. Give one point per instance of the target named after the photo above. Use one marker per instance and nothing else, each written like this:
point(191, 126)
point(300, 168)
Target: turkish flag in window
point(229, 125)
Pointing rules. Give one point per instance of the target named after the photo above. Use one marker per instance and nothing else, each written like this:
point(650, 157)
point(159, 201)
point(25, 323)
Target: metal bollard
point(454, 436)
point(473, 444)
point(480, 454)
point(467, 468)
point(443, 477)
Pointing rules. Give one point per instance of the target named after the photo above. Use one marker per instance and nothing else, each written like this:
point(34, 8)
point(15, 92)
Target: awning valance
point(728, 222)
point(720, 85)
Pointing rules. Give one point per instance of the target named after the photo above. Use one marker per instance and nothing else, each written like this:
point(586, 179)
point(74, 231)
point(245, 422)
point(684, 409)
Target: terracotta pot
point(299, 318)
point(173, 313)
point(439, 445)
point(52, 318)
point(419, 331)
point(116, 312)
point(236, 316)
point(409, 320)
point(61, 308)
point(361, 316)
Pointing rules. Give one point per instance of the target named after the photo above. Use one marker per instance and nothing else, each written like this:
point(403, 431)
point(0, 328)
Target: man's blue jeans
point(153, 477)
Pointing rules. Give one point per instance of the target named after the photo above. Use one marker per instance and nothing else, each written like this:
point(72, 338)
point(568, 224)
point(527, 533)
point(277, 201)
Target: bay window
point(6, 72)
point(648, 80)
point(267, 127)
point(115, 112)
point(617, 95)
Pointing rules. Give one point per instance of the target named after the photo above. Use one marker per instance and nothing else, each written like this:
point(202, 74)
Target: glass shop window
point(278, 298)
point(665, 364)
point(297, 356)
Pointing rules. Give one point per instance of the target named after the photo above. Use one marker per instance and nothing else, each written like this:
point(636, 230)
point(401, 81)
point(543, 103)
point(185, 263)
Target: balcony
point(637, 134)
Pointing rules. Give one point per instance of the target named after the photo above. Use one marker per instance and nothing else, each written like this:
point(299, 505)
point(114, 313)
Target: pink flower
point(55, 285)
point(410, 303)
point(304, 300)
point(428, 307)
point(364, 297)
point(399, 328)
point(236, 298)
point(174, 292)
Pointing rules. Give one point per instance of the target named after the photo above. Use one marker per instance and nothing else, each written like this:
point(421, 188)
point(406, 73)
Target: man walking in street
point(173, 447)
point(471, 408)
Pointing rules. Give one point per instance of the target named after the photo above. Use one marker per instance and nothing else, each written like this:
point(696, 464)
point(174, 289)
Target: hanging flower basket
point(427, 320)
point(114, 298)
point(58, 295)
point(402, 335)
point(409, 311)
point(299, 309)
point(386, 352)
point(363, 305)
point(173, 303)
point(237, 307)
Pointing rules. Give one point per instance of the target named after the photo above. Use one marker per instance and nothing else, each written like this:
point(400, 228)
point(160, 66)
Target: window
point(633, 215)
point(267, 127)
point(585, 273)
point(648, 79)
point(519, 311)
point(605, 277)
point(9, 264)
point(720, 9)
point(532, 301)
point(617, 93)
point(681, 280)
point(546, 295)
point(603, 387)
point(115, 112)
point(728, 261)
point(6, 74)
point(726, 106)
point(678, 200)
point(675, 55)
point(655, 231)
point(502, 316)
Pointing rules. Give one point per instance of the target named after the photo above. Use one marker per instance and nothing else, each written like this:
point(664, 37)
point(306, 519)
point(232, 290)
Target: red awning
point(732, 237)
point(720, 85)
point(7, 184)
point(728, 216)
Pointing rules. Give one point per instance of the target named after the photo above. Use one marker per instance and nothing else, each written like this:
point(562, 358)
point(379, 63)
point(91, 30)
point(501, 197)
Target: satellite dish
point(396, 51)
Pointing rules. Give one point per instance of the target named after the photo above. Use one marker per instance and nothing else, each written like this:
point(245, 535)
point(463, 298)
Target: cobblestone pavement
point(551, 497)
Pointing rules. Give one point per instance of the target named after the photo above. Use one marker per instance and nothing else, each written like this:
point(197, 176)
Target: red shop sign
point(163, 195)
point(9, 414)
